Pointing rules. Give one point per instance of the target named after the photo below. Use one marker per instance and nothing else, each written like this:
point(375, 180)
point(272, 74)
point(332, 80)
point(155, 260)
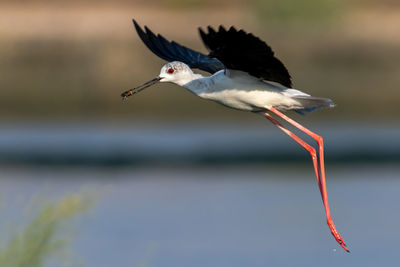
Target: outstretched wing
point(172, 51)
point(243, 51)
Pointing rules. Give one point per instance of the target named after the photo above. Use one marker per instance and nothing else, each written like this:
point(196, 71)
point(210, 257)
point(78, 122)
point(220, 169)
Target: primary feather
point(239, 50)
point(172, 51)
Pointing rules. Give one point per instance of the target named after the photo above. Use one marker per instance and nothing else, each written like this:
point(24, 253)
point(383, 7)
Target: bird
point(244, 75)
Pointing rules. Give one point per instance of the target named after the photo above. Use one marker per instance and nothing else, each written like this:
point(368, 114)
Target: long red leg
point(320, 175)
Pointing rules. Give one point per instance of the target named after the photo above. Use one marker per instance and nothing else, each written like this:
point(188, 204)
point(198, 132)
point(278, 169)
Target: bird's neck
point(196, 83)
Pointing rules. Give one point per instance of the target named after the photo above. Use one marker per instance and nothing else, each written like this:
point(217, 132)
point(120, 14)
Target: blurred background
point(174, 180)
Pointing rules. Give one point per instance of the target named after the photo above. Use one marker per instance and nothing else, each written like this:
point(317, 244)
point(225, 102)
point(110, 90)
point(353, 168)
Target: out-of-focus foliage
point(293, 12)
point(42, 238)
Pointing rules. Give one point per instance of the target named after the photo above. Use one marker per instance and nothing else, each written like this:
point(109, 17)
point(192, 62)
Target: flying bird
point(245, 75)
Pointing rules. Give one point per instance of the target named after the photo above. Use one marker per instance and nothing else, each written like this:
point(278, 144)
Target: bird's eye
point(170, 70)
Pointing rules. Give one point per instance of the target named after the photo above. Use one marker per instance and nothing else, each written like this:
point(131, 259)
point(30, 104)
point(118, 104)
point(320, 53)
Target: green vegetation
point(294, 12)
point(41, 239)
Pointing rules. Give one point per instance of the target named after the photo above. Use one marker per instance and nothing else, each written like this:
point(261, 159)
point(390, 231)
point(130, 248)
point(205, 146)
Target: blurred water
point(222, 216)
point(221, 195)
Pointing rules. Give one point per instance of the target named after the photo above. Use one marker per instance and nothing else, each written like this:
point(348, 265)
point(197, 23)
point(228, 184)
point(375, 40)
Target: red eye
point(170, 70)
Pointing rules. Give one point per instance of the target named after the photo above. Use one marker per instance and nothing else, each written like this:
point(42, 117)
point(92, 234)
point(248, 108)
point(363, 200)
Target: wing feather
point(172, 51)
point(243, 51)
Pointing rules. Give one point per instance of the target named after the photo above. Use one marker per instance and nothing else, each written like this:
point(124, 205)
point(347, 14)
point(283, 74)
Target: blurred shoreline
point(142, 144)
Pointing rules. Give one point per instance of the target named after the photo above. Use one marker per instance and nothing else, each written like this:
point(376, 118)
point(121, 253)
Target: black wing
point(172, 51)
point(243, 51)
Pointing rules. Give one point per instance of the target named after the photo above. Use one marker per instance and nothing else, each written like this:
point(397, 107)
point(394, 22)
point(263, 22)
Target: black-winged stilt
point(246, 76)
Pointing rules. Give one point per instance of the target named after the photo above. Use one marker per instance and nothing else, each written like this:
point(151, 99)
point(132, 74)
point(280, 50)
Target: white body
point(239, 90)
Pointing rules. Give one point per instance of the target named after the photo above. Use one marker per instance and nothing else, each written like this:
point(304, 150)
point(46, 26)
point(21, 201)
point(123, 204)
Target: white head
point(175, 72)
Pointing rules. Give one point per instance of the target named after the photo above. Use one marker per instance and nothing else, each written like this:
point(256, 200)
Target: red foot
point(336, 235)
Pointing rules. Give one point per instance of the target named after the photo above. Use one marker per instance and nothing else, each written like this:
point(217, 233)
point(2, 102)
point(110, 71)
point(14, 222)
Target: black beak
point(135, 90)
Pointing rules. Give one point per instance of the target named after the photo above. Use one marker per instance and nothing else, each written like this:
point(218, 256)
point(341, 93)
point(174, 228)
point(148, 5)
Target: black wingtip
point(211, 30)
point(135, 23)
point(137, 27)
point(232, 29)
point(140, 31)
point(148, 31)
point(203, 35)
point(221, 28)
point(201, 32)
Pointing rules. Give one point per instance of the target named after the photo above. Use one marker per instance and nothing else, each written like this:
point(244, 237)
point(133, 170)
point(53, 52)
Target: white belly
point(243, 100)
point(244, 92)
point(252, 100)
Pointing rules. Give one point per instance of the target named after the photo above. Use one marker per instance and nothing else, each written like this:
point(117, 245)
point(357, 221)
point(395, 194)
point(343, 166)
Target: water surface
point(220, 215)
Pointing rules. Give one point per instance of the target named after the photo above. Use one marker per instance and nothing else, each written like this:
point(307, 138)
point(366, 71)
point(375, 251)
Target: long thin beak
point(135, 90)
